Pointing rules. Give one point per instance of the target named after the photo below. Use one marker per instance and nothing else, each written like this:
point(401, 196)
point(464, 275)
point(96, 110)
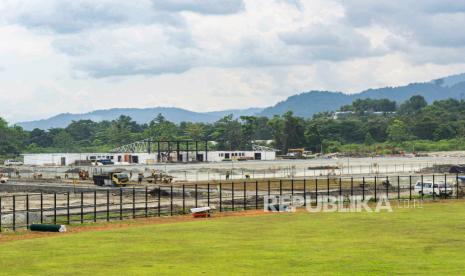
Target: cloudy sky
point(80, 55)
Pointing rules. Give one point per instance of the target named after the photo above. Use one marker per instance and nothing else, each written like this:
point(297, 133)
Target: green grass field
point(430, 240)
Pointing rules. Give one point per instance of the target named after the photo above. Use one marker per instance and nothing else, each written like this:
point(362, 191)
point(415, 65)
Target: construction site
point(159, 178)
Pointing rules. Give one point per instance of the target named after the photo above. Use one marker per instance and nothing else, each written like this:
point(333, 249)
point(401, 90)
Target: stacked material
point(202, 212)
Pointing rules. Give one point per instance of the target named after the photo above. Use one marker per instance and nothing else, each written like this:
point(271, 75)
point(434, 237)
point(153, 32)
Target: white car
point(12, 162)
point(438, 189)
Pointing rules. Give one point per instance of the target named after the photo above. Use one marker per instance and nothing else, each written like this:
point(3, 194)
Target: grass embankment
point(408, 241)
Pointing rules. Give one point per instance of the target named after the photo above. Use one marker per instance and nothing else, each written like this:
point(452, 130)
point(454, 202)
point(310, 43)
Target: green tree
point(11, 139)
point(40, 138)
point(369, 139)
point(413, 105)
point(228, 133)
point(82, 131)
point(63, 140)
point(195, 131)
point(288, 131)
point(397, 132)
point(120, 131)
point(162, 129)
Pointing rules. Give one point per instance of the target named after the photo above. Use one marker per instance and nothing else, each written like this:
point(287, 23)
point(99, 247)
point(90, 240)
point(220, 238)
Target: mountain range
point(305, 104)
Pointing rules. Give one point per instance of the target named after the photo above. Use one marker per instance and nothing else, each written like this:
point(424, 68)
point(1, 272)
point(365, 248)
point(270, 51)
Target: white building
point(64, 159)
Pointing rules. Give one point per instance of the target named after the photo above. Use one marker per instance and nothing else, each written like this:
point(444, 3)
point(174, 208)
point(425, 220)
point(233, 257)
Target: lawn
point(430, 240)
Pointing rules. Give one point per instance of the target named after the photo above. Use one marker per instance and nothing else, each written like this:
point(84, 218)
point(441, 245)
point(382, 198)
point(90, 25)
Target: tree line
point(364, 125)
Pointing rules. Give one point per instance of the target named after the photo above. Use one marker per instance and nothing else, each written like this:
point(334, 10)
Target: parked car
point(438, 189)
point(104, 162)
point(12, 162)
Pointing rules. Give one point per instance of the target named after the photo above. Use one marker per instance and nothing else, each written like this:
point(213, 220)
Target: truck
point(438, 189)
point(114, 179)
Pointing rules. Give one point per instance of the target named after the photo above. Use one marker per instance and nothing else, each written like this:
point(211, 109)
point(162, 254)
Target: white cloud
point(200, 6)
point(63, 55)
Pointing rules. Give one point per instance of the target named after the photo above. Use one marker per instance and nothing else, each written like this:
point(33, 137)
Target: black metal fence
point(18, 211)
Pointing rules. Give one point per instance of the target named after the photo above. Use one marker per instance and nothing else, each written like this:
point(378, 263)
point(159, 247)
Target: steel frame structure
point(165, 147)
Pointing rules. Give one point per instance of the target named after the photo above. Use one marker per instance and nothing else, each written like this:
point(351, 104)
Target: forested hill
point(304, 105)
point(139, 115)
point(309, 103)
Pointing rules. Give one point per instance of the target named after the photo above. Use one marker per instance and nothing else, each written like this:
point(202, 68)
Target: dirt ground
point(24, 235)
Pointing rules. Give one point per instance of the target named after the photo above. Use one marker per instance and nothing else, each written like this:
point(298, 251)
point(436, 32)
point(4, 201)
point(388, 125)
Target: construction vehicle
point(83, 175)
point(3, 179)
point(114, 179)
point(159, 177)
point(299, 153)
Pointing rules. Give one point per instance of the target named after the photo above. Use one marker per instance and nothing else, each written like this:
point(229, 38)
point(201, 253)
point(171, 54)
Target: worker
point(139, 178)
point(227, 175)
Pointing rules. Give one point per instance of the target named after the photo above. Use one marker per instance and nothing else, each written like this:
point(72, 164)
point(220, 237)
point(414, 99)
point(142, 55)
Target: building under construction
point(152, 152)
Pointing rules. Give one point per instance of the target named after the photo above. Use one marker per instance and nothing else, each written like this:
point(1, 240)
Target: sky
point(203, 55)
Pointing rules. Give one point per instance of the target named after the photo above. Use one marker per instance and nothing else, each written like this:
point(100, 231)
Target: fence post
point(292, 186)
point(327, 188)
point(256, 194)
point(305, 192)
point(422, 184)
point(95, 206)
point(280, 187)
point(41, 207)
point(410, 187)
point(120, 204)
point(232, 195)
point(245, 196)
point(363, 188)
point(196, 199)
point(387, 186)
point(433, 186)
point(376, 182)
point(445, 183)
point(340, 187)
point(457, 186)
point(316, 190)
point(183, 198)
point(208, 194)
point(108, 205)
point(27, 211)
point(82, 207)
point(133, 202)
point(269, 188)
point(159, 201)
point(0, 214)
point(54, 208)
point(14, 212)
point(68, 218)
point(221, 198)
point(146, 202)
point(352, 186)
point(171, 199)
point(398, 187)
